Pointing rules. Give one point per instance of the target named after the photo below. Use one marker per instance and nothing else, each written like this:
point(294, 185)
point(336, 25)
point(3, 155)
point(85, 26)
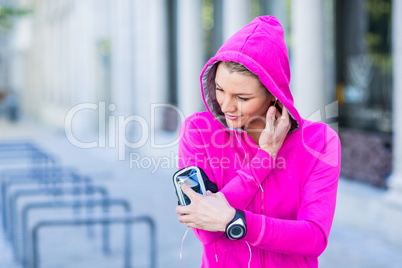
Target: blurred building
point(4, 70)
point(134, 53)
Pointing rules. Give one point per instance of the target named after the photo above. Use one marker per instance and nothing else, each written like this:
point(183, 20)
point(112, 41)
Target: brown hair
point(240, 68)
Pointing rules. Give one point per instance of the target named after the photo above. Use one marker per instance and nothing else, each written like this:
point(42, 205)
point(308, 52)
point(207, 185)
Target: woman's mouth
point(231, 117)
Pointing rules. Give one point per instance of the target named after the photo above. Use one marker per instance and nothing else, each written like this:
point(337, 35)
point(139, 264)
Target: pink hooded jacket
point(289, 203)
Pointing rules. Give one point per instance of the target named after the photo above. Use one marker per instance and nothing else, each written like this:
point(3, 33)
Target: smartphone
point(192, 176)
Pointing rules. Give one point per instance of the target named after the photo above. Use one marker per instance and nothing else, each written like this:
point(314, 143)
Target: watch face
point(237, 231)
point(237, 228)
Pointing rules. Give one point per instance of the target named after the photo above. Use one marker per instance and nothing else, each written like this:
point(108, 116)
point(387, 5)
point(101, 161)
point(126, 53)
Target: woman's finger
point(185, 218)
point(183, 209)
point(285, 114)
point(193, 195)
point(192, 225)
point(270, 118)
point(283, 124)
point(278, 114)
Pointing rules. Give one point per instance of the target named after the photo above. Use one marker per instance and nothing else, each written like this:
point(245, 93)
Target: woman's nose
point(228, 105)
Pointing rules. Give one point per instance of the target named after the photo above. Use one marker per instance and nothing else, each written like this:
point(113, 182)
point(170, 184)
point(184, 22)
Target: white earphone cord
point(249, 248)
point(181, 249)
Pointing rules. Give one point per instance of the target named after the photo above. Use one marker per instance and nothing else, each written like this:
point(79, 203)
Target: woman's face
point(242, 99)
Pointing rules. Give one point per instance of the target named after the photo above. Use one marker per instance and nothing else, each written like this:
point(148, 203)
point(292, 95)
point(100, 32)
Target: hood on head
point(261, 48)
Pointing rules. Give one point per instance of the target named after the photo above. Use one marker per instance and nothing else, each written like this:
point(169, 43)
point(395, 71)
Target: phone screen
point(192, 177)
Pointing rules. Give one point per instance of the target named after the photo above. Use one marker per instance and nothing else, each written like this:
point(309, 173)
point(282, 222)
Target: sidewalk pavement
point(365, 233)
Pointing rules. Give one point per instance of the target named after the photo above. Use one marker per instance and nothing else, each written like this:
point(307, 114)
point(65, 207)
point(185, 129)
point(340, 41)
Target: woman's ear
point(277, 103)
point(274, 99)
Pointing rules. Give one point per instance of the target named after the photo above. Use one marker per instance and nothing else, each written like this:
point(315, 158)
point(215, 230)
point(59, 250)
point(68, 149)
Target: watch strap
point(238, 219)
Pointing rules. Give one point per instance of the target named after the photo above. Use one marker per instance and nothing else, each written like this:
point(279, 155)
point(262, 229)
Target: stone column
point(308, 64)
point(153, 58)
point(394, 196)
point(236, 14)
point(122, 49)
point(190, 56)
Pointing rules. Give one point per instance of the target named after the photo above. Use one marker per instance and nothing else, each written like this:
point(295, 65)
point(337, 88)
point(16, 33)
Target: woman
point(276, 172)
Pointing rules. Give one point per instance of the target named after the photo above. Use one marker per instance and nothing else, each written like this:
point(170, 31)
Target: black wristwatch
point(237, 228)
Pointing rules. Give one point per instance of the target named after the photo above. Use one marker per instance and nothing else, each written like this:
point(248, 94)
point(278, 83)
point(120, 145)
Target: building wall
point(89, 52)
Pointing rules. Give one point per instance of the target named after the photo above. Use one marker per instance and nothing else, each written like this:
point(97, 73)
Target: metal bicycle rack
point(33, 154)
point(70, 222)
point(11, 213)
point(12, 152)
point(16, 145)
point(27, 171)
point(46, 180)
point(35, 171)
point(13, 236)
point(59, 204)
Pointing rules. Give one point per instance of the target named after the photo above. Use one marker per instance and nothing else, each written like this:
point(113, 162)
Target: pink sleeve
point(249, 178)
point(308, 235)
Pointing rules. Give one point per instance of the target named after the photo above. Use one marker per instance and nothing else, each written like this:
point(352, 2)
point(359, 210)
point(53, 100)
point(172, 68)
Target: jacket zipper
point(216, 252)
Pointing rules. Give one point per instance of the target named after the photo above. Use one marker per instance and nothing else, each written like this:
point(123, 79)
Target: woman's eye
point(243, 99)
point(219, 89)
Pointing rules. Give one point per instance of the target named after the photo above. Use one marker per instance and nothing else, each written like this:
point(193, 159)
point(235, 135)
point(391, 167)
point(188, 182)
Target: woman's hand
point(275, 131)
point(210, 212)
